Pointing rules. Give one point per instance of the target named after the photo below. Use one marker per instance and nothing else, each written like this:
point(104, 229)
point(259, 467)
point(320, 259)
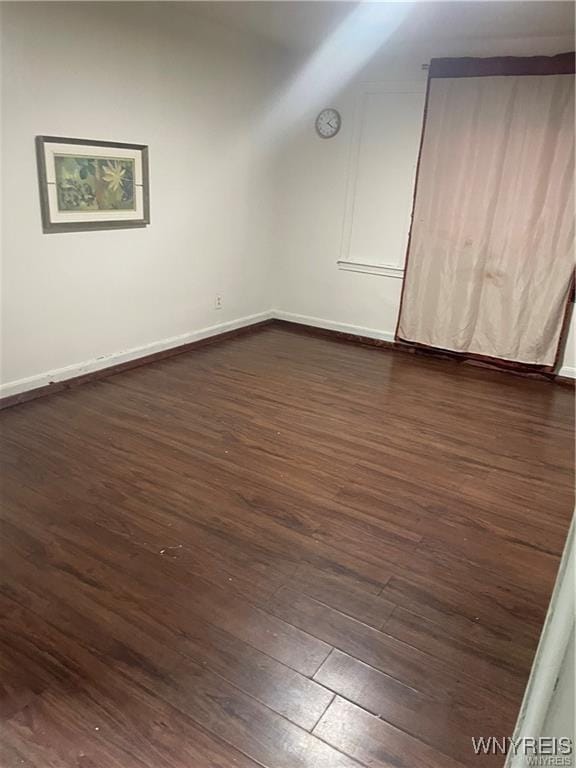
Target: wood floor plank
point(175, 627)
point(474, 657)
point(446, 725)
point(186, 543)
point(419, 670)
point(374, 742)
point(509, 637)
point(342, 595)
point(508, 561)
point(279, 542)
point(204, 601)
point(130, 536)
point(209, 701)
point(114, 721)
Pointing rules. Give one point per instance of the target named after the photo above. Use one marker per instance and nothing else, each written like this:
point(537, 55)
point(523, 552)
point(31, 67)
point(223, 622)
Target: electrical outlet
point(218, 302)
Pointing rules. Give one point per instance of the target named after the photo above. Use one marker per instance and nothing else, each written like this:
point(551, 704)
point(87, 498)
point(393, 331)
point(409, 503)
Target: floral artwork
point(87, 183)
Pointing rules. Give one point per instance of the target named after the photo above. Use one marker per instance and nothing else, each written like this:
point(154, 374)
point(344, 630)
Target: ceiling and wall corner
point(247, 202)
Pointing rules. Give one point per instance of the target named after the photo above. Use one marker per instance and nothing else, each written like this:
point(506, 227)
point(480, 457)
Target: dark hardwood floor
point(279, 551)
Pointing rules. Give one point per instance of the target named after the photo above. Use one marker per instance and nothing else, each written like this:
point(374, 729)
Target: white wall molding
point(364, 248)
point(385, 270)
point(330, 325)
point(106, 361)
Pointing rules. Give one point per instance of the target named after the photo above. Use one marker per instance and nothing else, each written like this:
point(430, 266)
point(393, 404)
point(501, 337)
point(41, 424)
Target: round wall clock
point(328, 123)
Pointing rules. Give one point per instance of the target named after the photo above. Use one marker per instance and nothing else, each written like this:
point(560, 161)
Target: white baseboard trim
point(330, 325)
point(568, 371)
point(106, 361)
point(18, 386)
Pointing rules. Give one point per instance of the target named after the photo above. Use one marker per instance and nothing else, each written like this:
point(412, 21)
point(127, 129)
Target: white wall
point(193, 91)
point(246, 201)
point(561, 715)
point(312, 208)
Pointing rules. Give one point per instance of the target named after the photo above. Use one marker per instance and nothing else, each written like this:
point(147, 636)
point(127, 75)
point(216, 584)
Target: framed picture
point(86, 184)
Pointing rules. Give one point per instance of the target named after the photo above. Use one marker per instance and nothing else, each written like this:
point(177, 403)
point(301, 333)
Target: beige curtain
point(491, 249)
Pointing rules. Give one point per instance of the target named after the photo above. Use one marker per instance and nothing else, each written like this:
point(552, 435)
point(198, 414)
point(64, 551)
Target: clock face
point(328, 123)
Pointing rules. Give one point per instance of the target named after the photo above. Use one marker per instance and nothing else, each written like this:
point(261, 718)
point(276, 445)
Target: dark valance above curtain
point(498, 66)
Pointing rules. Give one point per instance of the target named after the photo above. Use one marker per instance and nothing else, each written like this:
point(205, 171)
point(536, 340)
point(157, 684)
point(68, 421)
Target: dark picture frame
point(91, 219)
